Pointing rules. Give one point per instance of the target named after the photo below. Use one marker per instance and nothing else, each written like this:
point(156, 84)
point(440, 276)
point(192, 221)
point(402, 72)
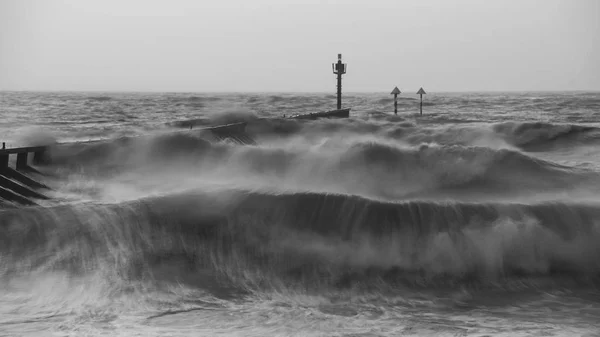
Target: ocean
point(479, 218)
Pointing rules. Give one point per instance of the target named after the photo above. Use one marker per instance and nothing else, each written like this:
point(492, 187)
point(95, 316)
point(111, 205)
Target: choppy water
point(480, 217)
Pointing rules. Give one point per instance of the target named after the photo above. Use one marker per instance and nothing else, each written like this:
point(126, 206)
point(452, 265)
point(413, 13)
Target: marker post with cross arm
point(421, 92)
point(395, 92)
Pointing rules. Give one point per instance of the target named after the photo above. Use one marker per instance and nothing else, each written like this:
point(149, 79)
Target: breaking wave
point(263, 239)
point(541, 136)
point(366, 167)
point(526, 136)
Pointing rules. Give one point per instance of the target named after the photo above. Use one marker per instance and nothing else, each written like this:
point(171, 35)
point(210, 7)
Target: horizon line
point(300, 91)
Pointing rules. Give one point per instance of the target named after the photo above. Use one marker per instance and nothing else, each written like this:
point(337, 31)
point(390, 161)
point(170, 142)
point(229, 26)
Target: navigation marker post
point(395, 92)
point(339, 69)
point(421, 92)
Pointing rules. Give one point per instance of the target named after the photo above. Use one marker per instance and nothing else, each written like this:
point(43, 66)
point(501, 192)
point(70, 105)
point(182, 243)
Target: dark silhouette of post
point(339, 69)
point(421, 92)
point(395, 92)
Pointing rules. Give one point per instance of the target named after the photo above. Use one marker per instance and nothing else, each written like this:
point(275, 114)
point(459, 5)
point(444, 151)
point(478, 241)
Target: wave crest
point(307, 238)
point(364, 167)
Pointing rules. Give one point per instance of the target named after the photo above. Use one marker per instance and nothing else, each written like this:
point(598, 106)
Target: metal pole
point(339, 73)
point(421, 92)
point(395, 92)
point(339, 69)
point(339, 88)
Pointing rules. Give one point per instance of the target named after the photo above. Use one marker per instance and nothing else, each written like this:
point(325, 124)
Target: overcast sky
point(289, 45)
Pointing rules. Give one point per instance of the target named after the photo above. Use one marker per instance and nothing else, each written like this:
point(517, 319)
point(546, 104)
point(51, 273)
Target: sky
point(289, 45)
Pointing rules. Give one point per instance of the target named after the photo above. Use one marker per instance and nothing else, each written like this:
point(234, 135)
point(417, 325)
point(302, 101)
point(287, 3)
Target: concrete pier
point(17, 187)
point(14, 185)
point(39, 153)
point(21, 178)
point(340, 113)
point(9, 195)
